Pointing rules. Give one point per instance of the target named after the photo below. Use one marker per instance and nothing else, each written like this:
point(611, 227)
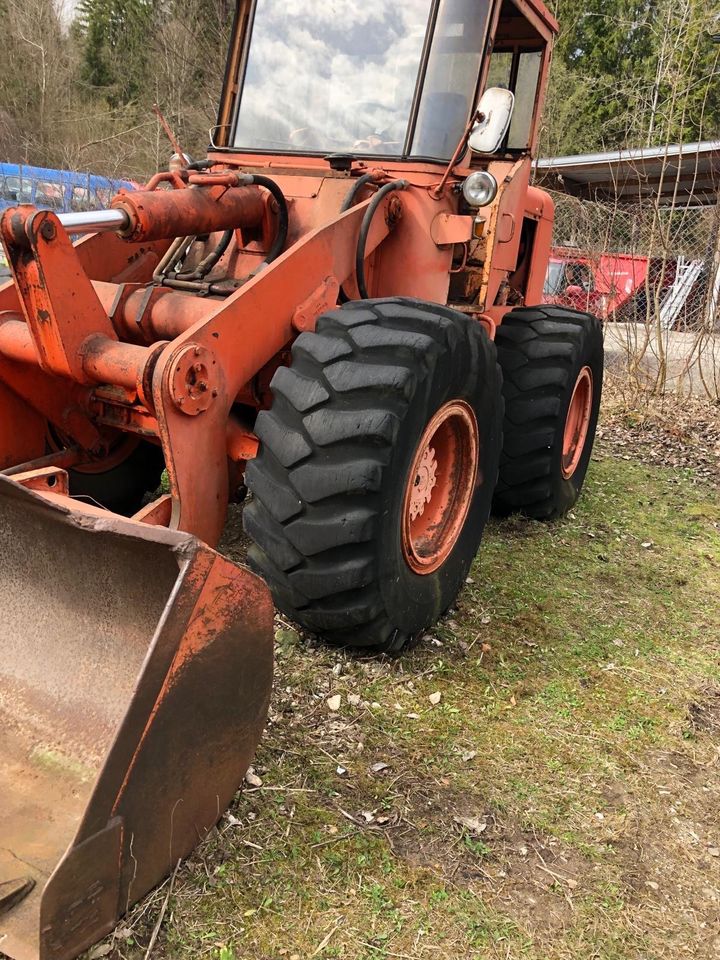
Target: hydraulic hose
point(283, 215)
point(360, 278)
point(355, 189)
point(206, 265)
point(200, 165)
point(176, 251)
point(349, 202)
point(195, 280)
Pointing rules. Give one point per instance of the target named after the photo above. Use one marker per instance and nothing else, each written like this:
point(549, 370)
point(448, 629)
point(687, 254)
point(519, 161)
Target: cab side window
point(526, 84)
point(515, 64)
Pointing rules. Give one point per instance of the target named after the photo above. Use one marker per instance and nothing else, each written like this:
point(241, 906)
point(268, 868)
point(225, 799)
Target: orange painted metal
point(501, 239)
point(106, 257)
point(133, 388)
point(97, 350)
point(121, 364)
point(101, 359)
point(159, 214)
point(242, 444)
point(32, 399)
point(541, 210)
point(325, 297)
point(61, 459)
point(147, 314)
point(242, 346)
point(450, 228)
point(577, 422)
point(45, 480)
point(157, 513)
point(440, 487)
point(193, 381)
point(16, 342)
point(58, 301)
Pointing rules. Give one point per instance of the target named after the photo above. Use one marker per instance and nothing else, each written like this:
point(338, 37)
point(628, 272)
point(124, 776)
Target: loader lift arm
point(197, 354)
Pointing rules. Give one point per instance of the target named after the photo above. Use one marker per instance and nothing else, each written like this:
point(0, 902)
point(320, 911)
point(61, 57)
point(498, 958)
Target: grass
point(559, 801)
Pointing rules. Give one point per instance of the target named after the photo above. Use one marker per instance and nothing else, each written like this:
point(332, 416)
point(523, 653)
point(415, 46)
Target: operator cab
point(390, 80)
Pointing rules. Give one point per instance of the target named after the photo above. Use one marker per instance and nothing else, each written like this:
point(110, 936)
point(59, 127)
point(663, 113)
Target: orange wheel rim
point(440, 487)
point(577, 422)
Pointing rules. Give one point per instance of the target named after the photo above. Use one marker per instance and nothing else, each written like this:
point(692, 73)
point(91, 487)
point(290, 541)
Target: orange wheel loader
point(337, 311)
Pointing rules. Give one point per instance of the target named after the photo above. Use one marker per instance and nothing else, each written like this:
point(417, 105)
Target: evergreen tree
point(119, 36)
point(632, 73)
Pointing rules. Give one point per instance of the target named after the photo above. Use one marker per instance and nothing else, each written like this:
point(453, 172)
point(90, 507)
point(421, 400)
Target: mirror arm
point(477, 117)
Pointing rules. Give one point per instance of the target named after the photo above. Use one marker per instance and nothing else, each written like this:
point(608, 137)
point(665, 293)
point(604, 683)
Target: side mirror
point(495, 113)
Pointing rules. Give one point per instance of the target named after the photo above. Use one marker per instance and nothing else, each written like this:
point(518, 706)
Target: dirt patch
point(704, 713)
point(535, 878)
point(665, 431)
point(663, 834)
point(531, 877)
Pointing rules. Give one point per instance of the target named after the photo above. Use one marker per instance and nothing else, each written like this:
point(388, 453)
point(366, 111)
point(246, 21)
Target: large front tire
point(376, 470)
point(552, 363)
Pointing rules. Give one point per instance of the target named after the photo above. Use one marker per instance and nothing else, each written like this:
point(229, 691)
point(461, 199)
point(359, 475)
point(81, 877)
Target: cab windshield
point(343, 76)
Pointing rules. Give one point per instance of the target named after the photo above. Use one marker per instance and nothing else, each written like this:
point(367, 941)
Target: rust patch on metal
point(105, 775)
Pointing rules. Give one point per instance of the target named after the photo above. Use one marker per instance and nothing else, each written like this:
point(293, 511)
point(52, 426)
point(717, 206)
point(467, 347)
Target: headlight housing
point(480, 188)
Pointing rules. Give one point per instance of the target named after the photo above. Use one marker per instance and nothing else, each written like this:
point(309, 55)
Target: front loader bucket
point(135, 674)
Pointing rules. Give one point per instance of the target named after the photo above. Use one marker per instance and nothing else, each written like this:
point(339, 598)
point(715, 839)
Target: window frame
point(25, 192)
point(416, 102)
point(86, 204)
point(541, 43)
point(517, 53)
point(539, 19)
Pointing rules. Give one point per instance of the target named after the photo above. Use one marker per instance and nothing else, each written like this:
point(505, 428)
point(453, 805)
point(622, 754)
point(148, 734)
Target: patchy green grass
point(561, 798)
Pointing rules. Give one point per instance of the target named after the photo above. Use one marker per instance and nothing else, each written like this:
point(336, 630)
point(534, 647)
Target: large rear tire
point(376, 469)
point(552, 364)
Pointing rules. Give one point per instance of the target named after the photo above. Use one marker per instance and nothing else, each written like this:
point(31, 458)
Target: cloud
point(323, 76)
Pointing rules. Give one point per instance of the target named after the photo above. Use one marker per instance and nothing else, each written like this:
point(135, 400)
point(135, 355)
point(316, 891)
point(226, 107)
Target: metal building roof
point(685, 173)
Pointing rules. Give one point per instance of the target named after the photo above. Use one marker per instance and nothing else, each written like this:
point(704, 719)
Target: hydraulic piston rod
point(95, 221)
point(147, 215)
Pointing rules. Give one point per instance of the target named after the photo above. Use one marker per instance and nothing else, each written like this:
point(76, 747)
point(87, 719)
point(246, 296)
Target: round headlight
point(480, 188)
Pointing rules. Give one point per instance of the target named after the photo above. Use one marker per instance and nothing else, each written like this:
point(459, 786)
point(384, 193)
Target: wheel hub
point(440, 487)
point(424, 484)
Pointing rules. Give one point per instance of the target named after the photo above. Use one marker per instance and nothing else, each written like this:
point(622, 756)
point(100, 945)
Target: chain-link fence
point(652, 273)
